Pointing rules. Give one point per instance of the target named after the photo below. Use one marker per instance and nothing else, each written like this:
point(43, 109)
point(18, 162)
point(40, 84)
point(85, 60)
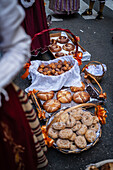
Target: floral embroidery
point(17, 149)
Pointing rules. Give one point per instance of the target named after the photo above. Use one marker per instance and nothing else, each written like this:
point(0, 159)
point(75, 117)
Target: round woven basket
point(98, 78)
point(54, 118)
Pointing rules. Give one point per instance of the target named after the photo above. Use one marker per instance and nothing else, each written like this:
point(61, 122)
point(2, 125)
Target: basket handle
point(74, 107)
point(91, 63)
point(83, 105)
point(58, 29)
point(101, 94)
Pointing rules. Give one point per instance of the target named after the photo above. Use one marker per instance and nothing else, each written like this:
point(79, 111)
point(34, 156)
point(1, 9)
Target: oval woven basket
point(54, 118)
point(98, 78)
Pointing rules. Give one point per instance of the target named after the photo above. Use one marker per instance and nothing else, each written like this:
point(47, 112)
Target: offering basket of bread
point(63, 43)
point(52, 75)
point(66, 44)
point(74, 129)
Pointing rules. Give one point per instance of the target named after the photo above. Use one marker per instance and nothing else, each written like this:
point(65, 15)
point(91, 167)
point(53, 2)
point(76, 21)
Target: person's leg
point(100, 13)
point(89, 10)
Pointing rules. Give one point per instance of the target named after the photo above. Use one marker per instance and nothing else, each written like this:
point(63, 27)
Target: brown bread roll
point(64, 96)
point(81, 97)
point(45, 95)
point(51, 105)
point(75, 89)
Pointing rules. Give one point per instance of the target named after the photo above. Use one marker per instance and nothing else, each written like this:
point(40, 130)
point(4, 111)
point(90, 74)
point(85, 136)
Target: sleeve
point(27, 3)
point(14, 42)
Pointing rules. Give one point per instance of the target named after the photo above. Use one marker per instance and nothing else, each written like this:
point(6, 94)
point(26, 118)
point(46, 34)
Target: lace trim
point(27, 4)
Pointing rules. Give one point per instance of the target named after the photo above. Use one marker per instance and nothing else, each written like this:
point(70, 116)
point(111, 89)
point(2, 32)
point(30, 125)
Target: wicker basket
point(91, 76)
point(105, 164)
point(54, 118)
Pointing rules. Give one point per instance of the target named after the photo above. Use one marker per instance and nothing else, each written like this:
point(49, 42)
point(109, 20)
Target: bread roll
point(75, 89)
point(64, 96)
point(51, 105)
point(45, 95)
point(81, 97)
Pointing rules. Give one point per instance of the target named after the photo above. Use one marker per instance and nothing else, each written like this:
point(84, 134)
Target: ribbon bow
point(26, 67)
point(32, 92)
point(103, 95)
point(78, 57)
point(48, 141)
point(101, 114)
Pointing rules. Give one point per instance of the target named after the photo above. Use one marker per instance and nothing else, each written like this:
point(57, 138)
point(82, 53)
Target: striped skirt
point(22, 145)
point(33, 121)
point(64, 6)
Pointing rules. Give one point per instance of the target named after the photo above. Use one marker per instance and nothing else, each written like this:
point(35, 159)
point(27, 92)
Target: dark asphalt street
point(96, 38)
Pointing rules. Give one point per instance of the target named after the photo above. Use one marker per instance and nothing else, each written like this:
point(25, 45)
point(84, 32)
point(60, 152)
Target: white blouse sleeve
point(27, 4)
point(14, 42)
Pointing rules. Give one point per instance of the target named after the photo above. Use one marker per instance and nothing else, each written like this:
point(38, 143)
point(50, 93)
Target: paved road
point(96, 38)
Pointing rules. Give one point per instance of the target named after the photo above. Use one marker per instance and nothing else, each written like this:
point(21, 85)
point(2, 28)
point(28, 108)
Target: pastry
point(72, 138)
point(81, 97)
point(68, 47)
point(82, 130)
point(64, 96)
point(80, 142)
point(53, 41)
point(64, 144)
point(65, 133)
point(45, 95)
point(87, 120)
point(42, 65)
point(70, 122)
point(77, 126)
point(64, 117)
point(59, 54)
point(94, 127)
point(80, 111)
point(95, 119)
point(54, 69)
point(58, 125)
point(55, 48)
point(76, 114)
point(90, 135)
point(62, 39)
point(75, 89)
point(51, 105)
point(52, 133)
point(73, 147)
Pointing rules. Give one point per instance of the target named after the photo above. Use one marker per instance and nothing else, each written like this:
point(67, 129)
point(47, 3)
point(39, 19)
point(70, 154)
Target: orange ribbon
point(103, 95)
point(78, 57)
point(48, 141)
point(41, 114)
point(101, 114)
point(31, 92)
point(26, 67)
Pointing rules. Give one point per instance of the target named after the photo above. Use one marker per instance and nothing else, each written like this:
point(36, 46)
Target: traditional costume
point(64, 6)
point(34, 22)
point(22, 145)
